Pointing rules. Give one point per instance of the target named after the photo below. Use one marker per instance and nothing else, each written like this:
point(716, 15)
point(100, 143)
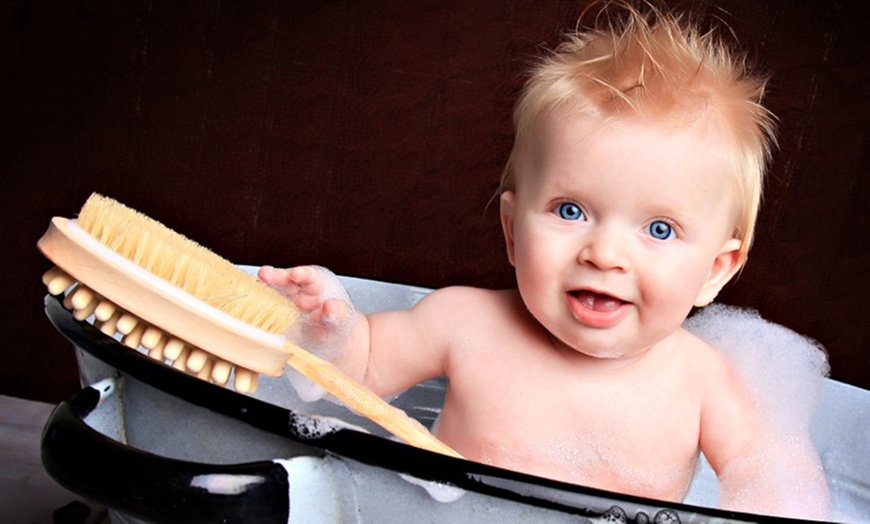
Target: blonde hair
point(660, 67)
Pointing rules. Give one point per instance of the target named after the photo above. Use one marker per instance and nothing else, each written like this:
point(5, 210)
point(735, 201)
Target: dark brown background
point(368, 136)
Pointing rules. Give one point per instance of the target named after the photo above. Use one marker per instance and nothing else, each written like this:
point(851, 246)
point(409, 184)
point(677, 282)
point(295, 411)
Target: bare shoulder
point(459, 300)
point(461, 311)
point(713, 378)
point(706, 362)
point(470, 293)
point(723, 384)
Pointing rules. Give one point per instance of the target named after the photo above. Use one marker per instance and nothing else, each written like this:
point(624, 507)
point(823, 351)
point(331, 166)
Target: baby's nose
point(605, 250)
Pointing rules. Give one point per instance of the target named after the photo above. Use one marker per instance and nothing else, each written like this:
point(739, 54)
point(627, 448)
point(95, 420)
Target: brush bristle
point(185, 264)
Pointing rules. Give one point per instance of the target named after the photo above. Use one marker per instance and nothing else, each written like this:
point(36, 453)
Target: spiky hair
point(658, 66)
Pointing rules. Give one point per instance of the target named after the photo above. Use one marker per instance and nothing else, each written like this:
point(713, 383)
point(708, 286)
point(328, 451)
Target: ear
point(507, 222)
point(727, 263)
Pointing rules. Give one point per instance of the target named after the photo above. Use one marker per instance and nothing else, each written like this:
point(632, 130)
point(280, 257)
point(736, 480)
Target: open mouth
point(597, 310)
point(597, 301)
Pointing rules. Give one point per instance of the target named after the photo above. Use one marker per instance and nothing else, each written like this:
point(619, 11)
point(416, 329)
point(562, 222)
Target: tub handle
point(151, 487)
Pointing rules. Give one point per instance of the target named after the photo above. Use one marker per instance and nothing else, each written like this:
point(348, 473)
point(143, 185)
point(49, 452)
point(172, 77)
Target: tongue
point(597, 302)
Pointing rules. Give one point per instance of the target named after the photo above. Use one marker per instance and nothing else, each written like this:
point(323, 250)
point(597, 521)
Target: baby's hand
point(327, 316)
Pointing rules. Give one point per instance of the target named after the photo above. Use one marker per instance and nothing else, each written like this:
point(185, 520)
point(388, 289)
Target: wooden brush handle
point(364, 401)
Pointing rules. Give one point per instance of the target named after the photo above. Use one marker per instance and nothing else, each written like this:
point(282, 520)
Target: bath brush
point(190, 308)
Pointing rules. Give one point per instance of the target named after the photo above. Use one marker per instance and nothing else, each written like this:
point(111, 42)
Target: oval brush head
point(185, 264)
point(113, 253)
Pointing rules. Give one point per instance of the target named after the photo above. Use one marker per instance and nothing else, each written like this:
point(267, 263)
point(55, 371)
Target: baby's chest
point(586, 421)
point(597, 427)
point(638, 436)
point(644, 450)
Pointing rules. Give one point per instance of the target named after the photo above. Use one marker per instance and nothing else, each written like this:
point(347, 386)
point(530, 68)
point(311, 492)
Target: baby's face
point(617, 229)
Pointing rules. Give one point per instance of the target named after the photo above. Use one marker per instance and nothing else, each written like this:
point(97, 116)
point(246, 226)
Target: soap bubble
point(783, 370)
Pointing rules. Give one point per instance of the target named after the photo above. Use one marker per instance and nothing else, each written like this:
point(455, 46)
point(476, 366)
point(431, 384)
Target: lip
point(602, 317)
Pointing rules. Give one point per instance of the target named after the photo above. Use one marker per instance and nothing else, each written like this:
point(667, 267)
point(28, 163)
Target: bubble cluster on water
point(439, 491)
point(782, 369)
point(315, 426)
point(784, 372)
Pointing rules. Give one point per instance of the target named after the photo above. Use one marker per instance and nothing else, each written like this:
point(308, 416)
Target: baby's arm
point(761, 468)
point(407, 350)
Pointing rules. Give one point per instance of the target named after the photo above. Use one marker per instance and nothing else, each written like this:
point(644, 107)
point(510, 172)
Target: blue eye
point(661, 230)
point(569, 211)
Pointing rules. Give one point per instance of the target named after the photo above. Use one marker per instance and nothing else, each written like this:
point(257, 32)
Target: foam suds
point(775, 478)
point(304, 387)
point(440, 492)
point(784, 372)
point(597, 449)
point(315, 426)
point(783, 369)
point(617, 515)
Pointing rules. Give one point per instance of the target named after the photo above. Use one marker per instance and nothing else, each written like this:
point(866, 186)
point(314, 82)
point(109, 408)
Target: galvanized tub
point(155, 445)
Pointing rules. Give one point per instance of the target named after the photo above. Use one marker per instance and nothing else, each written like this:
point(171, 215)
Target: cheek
point(673, 284)
point(537, 252)
point(536, 262)
point(530, 269)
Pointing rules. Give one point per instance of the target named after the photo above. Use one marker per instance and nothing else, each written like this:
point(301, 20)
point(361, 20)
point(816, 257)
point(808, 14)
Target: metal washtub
point(156, 445)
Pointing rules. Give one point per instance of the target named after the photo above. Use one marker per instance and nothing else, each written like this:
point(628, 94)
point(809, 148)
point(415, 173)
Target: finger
point(282, 280)
point(307, 278)
point(277, 278)
point(307, 303)
point(335, 311)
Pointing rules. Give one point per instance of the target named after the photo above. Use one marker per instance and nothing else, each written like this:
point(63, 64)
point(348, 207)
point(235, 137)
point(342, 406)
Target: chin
point(608, 354)
point(598, 351)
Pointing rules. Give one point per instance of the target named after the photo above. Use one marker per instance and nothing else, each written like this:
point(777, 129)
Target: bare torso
point(517, 401)
point(520, 399)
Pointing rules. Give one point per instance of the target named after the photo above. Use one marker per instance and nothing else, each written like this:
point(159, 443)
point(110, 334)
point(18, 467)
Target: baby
point(629, 198)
